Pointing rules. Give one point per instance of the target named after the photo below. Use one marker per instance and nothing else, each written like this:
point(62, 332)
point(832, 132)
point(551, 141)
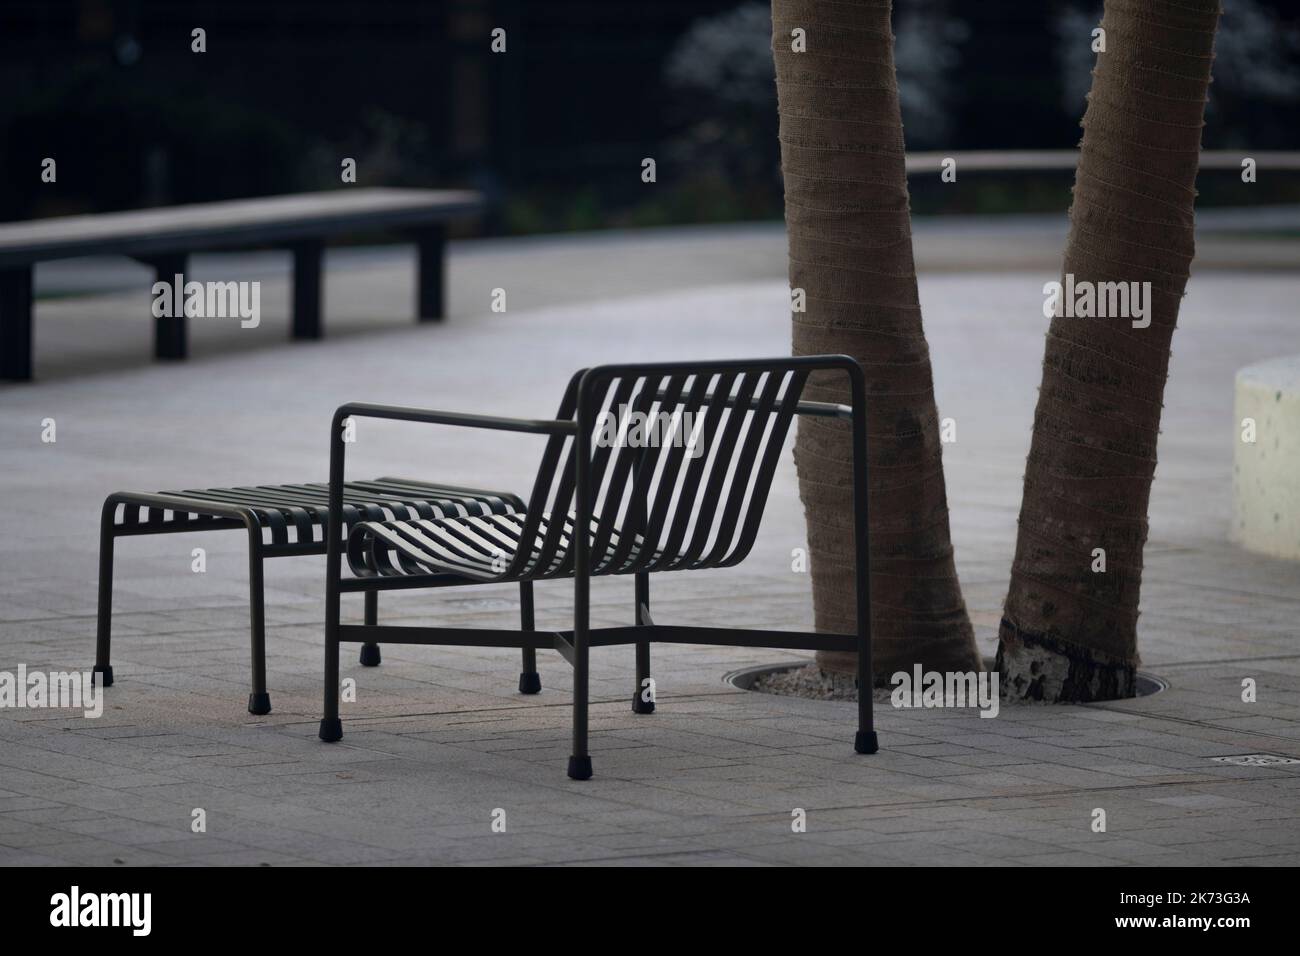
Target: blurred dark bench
point(164, 238)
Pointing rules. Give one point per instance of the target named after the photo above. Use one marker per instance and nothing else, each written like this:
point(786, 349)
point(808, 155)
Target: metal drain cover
point(1256, 760)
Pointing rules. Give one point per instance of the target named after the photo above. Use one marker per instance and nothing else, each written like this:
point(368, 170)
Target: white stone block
point(1266, 471)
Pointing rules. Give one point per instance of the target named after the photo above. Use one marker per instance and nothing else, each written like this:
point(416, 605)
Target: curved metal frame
point(613, 491)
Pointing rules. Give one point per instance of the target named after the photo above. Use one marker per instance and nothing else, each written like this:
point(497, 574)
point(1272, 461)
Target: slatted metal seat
point(291, 516)
point(478, 548)
point(281, 521)
point(667, 467)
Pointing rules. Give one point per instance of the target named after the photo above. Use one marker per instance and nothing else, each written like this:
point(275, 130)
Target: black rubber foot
point(640, 706)
point(331, 730)
point(370, 655)
point(530, 683)
point(580, 768)
point(259, 704)
point(103, 676)
point(865, 742)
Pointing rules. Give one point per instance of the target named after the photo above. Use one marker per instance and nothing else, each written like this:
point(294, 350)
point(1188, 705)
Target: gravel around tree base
point(813, 682)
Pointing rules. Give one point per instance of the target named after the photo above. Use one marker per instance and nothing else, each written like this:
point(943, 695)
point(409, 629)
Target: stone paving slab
point(438, 738)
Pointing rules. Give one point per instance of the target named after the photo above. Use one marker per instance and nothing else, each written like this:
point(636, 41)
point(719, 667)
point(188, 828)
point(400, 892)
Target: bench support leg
point(331, 728)
point(530, 682)
point(170, 340)
point(259, 701)
point(103, 672)
point(864, 741)
point(16, 323)
point(431, 243)
point(307, 258)
point(644, 686)
point(580, 759)
point(370, 656)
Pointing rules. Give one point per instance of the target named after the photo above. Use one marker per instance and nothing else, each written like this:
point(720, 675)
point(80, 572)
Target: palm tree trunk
point(846, 210)
point(1069, 629)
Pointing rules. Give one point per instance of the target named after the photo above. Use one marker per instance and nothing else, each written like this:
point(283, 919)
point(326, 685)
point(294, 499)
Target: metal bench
point(164, 238)
point(608, 505)
point(281, 521)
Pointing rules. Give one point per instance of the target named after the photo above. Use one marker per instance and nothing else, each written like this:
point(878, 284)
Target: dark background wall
point(556, 128)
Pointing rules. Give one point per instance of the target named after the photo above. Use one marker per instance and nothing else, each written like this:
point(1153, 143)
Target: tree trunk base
point(1038, 668)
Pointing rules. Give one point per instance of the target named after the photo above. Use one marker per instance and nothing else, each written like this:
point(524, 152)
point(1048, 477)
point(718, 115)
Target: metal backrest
point(670, 468)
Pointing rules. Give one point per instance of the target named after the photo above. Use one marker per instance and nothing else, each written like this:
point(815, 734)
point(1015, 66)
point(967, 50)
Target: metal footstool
point(281, 521)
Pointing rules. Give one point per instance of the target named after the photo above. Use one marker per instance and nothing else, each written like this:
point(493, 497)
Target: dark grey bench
point(164, 238)
point(689, 498)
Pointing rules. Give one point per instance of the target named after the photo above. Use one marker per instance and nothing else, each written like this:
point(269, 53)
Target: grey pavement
point(438, 739)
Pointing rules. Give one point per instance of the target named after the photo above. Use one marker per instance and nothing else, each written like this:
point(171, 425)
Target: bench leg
point(640, 703)
point(307, 258)
point(331, 728)
point(259, 701)
point(431, 243)
point(16, 324)
point(170, 340)
point(370, 656)
point(530, 682)
point(103, 672)
point(580, 759)
point(864, 741)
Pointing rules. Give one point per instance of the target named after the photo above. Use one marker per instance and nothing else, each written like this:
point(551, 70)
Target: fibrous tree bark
point(1069, 628)
point(850, 245)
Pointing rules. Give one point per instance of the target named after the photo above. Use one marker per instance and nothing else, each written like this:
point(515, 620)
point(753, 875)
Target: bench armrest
point(333, 554)
point(401, 413)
